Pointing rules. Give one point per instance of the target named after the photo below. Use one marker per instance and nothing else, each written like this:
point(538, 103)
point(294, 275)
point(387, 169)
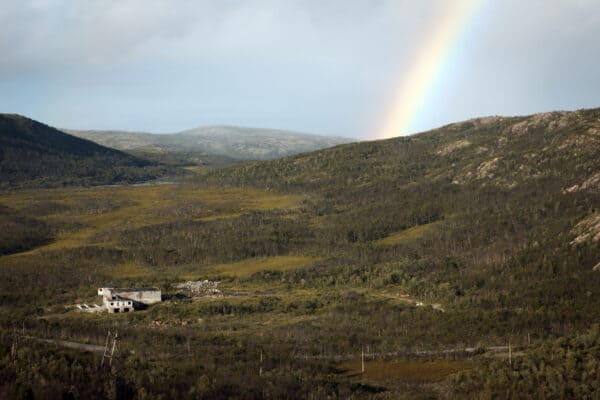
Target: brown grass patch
point(414, 233)
point(252, 265)
point(136, 206)
point(413, 372)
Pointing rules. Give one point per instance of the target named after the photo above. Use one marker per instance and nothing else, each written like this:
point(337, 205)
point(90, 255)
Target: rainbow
point(416, 85)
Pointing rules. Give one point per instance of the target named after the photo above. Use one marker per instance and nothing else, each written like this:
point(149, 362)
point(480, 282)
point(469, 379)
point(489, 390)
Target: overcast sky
point(320, 66)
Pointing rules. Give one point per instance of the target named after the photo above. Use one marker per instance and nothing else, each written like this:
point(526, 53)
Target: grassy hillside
point(213, 144)
point(34, 154)
point(428, 253)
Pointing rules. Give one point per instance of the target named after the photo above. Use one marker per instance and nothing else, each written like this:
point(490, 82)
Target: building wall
point(140, 296)
point(114, 306)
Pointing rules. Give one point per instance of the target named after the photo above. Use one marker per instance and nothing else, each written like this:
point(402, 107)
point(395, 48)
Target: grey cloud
point(323, 66)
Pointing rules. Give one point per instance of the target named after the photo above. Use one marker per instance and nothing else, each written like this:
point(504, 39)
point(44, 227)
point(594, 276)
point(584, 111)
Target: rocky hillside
point(502, 152)
point(544, 161)
point(34, 154)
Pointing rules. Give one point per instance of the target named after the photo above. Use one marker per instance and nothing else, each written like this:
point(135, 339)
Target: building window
point(126, 309)
point(117, 310)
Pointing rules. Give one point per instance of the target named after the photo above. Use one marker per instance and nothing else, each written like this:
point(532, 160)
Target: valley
point(432, 253)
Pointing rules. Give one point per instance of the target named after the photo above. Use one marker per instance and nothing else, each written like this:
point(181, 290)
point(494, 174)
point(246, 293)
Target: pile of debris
point(87, 308)
point(202, 288)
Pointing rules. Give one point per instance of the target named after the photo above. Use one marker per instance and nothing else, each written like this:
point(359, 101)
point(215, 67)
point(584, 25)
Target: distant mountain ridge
point(241, 143)
point(35, 154)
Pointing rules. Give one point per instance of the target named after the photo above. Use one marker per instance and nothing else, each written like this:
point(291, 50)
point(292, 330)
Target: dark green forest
point(36, 155)
point(443, 246)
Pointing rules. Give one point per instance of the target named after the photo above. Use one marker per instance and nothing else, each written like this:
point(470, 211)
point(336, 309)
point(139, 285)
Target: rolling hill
point(34, 154)
point(495, 216)
point(440, 255)
point(214, 144)
point(501, 152)
point(496, 220)
point(490, 185)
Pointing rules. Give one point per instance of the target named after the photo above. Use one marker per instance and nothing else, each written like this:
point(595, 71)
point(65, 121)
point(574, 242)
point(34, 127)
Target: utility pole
point(362, 360)
point(260, 369)
point(109, 354)
point(114, 347)
point(106, 353)
point(14, 347)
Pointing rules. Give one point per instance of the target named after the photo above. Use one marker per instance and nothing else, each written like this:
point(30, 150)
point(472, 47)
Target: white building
point(124, 300)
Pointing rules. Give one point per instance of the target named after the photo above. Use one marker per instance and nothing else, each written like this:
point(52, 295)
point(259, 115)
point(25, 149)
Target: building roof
point(139, 289)
point(114, 289)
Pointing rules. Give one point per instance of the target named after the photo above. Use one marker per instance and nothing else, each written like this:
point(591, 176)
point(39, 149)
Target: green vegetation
point(562, 368)
point(415, 248)
point(20, 232)
point(35, 155)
